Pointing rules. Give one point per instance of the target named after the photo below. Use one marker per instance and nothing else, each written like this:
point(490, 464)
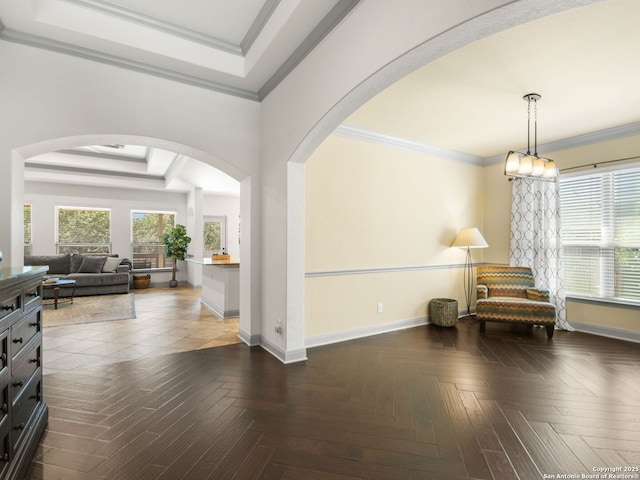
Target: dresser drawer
point(4, 350)
point(5, 376)
point(32, 295)
point(24, 405)
point(5, 450)
point(24, 330)
point(10, 307)
point(4, 402)
point(24, 365)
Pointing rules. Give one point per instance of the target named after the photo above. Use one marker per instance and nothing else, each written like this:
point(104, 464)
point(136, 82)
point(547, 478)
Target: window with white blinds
point(601, 234)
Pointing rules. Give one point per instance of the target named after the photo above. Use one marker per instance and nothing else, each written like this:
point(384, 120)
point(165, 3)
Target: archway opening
point(146, 177)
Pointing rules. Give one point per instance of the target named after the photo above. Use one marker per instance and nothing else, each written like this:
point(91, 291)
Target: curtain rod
point(596, 164)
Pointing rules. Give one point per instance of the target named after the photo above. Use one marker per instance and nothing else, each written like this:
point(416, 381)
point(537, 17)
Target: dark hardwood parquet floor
point(422, 403)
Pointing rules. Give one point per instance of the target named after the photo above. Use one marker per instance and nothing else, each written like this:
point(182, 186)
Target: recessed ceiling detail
point(243, 48)
point(129, 166)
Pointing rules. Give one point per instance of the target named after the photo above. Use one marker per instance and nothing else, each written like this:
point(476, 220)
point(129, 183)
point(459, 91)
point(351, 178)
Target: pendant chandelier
point(530, 165)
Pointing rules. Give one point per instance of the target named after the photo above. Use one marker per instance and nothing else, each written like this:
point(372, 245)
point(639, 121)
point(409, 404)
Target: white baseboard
point(617, 333)
point(220, 312)
point(250, 340)
point(289, 356)
point(328, 338)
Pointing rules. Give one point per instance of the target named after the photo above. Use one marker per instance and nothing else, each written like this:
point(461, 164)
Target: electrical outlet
point(278, 330)
point(379, 308)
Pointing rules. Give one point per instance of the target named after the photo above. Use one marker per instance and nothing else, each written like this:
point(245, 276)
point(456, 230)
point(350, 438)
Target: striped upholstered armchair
point(508, 294)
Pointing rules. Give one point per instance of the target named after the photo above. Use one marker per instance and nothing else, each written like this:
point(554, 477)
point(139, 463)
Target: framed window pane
point(582, 271)
point(601, 234)
point(214, 231)
point(83, 230)
point(627, 276)
point(27, 229)
point(147, 230)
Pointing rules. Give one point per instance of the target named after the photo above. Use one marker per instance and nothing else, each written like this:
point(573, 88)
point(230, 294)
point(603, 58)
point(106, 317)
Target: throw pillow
point(76, 261)
point(111, 264)
point(92, 265)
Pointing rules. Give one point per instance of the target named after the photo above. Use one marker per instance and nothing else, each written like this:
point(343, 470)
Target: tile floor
point(167, 320)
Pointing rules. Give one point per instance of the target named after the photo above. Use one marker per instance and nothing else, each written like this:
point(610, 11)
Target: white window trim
point(222, 219)
point(609, 298)
point(80, 207)
point(132, 244)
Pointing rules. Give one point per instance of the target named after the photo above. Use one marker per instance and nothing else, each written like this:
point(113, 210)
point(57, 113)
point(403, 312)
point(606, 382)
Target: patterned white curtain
point(535, 238)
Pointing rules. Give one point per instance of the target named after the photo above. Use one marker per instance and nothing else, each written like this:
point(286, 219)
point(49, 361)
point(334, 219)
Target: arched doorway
point(491, 22)
point(185, 157)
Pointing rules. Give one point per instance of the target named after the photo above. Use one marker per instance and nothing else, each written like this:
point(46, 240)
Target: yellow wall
point(603, 315)
point(497, 217)
point(370, 206)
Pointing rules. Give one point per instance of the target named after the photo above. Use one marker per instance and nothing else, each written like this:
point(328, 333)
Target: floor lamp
point(469, 238)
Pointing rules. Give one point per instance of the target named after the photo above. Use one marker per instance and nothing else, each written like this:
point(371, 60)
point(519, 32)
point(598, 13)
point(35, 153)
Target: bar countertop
point(220, 263)
point(9, 274)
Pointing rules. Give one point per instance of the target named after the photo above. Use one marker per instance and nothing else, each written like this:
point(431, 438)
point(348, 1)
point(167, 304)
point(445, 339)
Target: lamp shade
point(550, 169)
point(470, 238)
point(526, 165)
point(538, 166)
point(512, 164)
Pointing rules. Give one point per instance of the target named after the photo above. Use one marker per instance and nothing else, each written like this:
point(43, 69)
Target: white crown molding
point(578, 141)
point(367, 135)
point(258, 25)
point(93, 55)
point(105, 156)
point(108, 8)
point(590, 138)
point(326, 25)
point(55, 169)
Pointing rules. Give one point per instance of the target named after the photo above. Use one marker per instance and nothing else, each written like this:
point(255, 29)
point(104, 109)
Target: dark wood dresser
point(23, 411)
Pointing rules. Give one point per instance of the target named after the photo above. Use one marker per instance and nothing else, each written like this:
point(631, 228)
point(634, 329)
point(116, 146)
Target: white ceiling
point(583, 62)
point(239, 47)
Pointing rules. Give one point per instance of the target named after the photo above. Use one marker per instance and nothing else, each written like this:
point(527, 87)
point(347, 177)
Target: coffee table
point(56, 286)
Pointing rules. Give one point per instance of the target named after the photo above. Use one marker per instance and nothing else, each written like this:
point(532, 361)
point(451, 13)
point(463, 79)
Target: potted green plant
point(175, 243)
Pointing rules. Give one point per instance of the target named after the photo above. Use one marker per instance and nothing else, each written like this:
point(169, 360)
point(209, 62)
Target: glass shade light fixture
point(530, 165)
